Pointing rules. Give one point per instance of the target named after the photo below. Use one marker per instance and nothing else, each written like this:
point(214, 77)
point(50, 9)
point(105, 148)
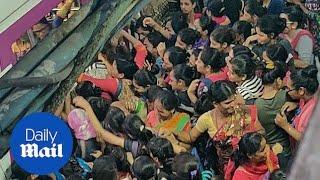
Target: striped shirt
point(251, 88)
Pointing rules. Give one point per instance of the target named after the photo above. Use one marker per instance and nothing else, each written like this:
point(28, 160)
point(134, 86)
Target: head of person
point(142, 30)
point(142, 80)
point(87, 89)
point(186, 38)
point(100, 106)
point(41, 29)
point(274, 52)
point(210, 61)
point(181, 77)
point(205, 26)
point(303, 83)
point(180, 22)
point(174, 56)
point(253, 148)
point(113, 120)
point(166, 104)
point(234, 9)
point(294, 17)
point(239, 50)
point(119, 67)
point(120, 157)
point(269, 27)
point(152, 40)
point(152, 94)
point(216, 8)
point(161, 150)
point(194, 57)
point(187, 6)
point(124, 69)
point(221, 38)
point(252, 11)
point(135, 128)
point(223, 96)
point(203, 104)
point(185, 166)
point(144, 167)
point(104, 166)
point(241, 68)
point(273, 76)
point(243, 31)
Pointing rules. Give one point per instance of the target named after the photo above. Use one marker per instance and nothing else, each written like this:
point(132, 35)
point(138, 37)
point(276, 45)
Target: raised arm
point(192, 90)
point(141, 50)
point(130, 38)
point(152, 23)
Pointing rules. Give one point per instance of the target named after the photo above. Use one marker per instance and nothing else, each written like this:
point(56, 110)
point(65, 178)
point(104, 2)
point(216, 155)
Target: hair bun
point(310, 71)
point(281, 22)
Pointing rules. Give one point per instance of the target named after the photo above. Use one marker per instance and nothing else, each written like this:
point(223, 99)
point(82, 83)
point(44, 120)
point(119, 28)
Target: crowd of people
point(223, 89)
point(41, 29)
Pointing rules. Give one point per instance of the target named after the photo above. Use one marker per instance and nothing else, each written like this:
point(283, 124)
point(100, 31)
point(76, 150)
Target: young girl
point(242, 72)
point(269, 104)
point(188, 8)
point(216, 10)
point(303, 86)
point(253, 160)
point(222, 39)
point(180, 78)
point(211, 64)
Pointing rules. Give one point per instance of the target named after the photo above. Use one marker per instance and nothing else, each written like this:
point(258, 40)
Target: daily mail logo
point(41, 143)
point(32, 150)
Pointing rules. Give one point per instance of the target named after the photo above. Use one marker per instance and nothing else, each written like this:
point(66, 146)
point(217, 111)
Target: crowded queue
point(224, 89)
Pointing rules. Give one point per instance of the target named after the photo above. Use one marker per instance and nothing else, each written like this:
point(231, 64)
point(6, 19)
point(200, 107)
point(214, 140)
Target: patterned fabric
point(179, 122)
point(79, 121)
point(228, 135)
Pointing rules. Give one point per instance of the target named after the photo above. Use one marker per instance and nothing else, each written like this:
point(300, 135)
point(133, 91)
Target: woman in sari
point(164, 117)
point(225, 124)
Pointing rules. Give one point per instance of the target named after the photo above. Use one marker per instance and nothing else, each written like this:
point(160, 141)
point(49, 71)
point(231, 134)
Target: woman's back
point(267, 111)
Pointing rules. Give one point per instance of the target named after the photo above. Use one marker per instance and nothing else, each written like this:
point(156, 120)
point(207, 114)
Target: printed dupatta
point(179, 122)
point(228, 135)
